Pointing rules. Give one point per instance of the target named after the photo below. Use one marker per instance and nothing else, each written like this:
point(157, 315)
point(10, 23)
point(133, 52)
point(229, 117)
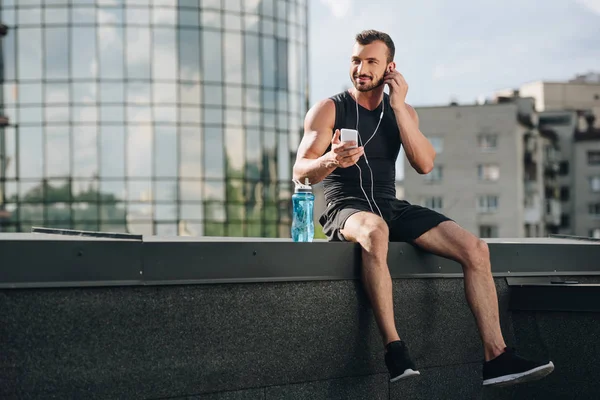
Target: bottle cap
point(302, 188)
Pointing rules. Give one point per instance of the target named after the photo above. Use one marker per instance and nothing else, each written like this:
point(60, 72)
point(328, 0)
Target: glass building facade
point(159, 117)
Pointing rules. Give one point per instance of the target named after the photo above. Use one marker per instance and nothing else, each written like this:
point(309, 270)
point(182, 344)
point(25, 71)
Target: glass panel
point(233, 57)
point(85, 154)
point(283, 158)
point(85, 114)
point(214, 229)
point(31, 191)
point(214, 190)
point(30, 16)
point(85, 190)
point(140, 191)
point(112, 114)
point(112, 151)
point(211, 44)
point(164, 16)
point(233, 22)
point(267, 27)
point(110, 15)
point(30, 53)
point(282, 64)
point(58, 151)
point(165, 162)
point(252, 23)
point(138, 53)
point(57, 93)
point(252, 119)
point(165, 114)
point(165, 212)
point(211, 4)
point(164, 93)
point(164, 54)
point(252, 68)
point(189, 17)
point(268, 8)
point(213, 95)
point(251, 6)
point(192, 211)
point(190, 94)
point(213, 116)
point(190, 115)
point(233, 5)
point(139, 93)
point(234, 117)
point(10, 152)
point(31, 154)
point(235, 229)
point(111, 41)
point(253, 97)
point(29, 93)
point(139, 114)
point(235, 152)
point(213, 153)
point(253, 154)
point(190, 152)
point(211, 19)
point(268, 102)
point(141, 228)
point(56, 15)
point(84, 93)
point(9, 17)
point(215, 212)
point(84, 64)
point(137, 16)
point(84, 15)
point(111, 191)
point(189, 55)
point(165, 191)
point(57, 191)
point(190, 190)
point(9, 52)
point(31, 115)
point(57, 115)
point(112, 92)
point(268, 62)
point(166, 229)
point(233, 96)
point(139, 151)
point(270, 154)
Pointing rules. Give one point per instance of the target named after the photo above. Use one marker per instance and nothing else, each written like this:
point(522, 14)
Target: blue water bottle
point(303, 201)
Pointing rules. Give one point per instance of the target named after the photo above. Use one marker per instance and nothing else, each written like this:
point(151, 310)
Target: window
point(487, 142)
point(595, 183)
point(593, 157)
point(594, 209)
point(488, 172)
point(435, 175)
point(565, 193)
point(487, 203)
point(435, 203)
point(565, 221)
point(488, 231)
point(437, 143)
point(564, 168)
point(595, 233)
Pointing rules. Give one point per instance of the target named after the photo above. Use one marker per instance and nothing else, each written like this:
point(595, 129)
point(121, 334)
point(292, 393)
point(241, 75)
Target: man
point(359, 185)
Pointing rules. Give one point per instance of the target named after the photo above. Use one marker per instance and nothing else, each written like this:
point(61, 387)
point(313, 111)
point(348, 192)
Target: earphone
point(365, 154)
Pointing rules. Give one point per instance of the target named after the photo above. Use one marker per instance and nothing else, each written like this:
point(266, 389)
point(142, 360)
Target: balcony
point(552, 216)
point(150, 317)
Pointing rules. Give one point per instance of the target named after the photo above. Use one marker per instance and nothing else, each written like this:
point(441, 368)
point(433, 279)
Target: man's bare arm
point(419, 151)
point(310, 162)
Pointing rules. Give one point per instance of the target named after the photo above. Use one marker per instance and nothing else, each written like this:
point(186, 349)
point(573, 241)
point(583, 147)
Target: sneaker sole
point(527, 376)
point(407, 374)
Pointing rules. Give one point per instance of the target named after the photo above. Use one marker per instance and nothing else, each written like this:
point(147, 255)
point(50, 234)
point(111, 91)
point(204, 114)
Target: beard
point(366, 86)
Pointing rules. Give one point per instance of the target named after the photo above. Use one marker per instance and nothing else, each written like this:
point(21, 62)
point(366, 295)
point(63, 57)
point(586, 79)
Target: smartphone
point(347, 135)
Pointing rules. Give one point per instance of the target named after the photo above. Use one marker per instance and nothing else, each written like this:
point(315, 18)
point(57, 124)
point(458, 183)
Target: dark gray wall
point(295, 340)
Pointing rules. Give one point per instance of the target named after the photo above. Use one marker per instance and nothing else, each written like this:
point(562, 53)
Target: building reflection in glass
point(161, 117)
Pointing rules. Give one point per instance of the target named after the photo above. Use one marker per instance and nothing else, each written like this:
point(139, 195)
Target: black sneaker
point(509, 369)
point(398, 361)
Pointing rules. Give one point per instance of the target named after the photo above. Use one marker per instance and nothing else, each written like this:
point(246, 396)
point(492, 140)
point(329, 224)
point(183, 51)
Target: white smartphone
point(347, 135)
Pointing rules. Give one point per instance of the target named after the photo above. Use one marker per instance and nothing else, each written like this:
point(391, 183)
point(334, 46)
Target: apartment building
point(494, 172)
point(586, 183)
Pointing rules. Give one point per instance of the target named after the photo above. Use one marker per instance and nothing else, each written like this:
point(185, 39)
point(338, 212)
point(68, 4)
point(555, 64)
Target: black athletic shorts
point(405, 221)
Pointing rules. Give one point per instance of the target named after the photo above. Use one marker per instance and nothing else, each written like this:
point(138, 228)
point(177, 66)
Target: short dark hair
point(370, 35)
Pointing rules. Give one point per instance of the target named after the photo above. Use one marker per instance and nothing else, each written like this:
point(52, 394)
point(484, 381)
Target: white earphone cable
point(366, 159)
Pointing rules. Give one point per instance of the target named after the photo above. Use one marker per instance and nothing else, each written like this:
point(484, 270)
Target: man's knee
point(367, 229)
point(478, 253)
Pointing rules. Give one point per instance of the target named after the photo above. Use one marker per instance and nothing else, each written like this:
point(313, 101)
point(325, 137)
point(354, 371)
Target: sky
point(457, 49)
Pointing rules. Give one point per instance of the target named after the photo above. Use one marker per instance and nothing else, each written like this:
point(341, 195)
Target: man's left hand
point(398, 88)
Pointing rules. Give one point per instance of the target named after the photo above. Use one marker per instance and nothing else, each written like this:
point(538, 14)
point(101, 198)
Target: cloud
point(340, 8)
point(591, 5)
point(459, 68)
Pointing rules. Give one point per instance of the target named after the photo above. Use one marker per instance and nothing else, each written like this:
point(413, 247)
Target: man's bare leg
point(371, 232)
point(451, 241)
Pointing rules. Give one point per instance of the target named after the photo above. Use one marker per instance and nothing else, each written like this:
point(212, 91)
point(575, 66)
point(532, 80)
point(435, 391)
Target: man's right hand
point(343, 154)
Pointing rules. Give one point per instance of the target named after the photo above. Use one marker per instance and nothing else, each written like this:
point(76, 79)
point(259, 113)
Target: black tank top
point(381, 151)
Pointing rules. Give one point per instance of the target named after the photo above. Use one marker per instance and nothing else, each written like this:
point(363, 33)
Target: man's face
point(368, 65)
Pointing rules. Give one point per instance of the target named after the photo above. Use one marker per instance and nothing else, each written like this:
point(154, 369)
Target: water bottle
point(303, 201)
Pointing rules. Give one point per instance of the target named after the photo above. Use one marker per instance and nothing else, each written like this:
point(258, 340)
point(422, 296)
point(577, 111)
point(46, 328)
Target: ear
point(391, 66)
